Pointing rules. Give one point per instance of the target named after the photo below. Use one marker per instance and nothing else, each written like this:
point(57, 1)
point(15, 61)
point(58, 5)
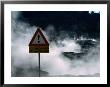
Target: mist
point(54, 63)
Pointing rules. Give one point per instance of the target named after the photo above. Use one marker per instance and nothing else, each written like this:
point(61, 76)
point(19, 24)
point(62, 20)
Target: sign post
point(38, 44)
point(39, 63)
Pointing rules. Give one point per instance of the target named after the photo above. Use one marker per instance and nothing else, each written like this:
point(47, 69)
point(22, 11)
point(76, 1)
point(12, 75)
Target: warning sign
point(38, 44)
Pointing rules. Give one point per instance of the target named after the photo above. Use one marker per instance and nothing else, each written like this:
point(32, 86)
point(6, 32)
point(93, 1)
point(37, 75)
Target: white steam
point(54, 62)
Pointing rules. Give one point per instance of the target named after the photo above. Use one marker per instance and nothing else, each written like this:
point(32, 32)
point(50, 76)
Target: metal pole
point(39, 63)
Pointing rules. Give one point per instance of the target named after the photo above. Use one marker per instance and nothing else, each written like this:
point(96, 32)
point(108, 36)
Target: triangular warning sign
point(38, 39)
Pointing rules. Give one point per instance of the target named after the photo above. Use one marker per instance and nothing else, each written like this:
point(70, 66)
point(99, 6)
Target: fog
point(53, 63)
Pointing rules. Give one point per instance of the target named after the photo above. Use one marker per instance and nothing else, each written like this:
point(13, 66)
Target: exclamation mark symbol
point(38, 38)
